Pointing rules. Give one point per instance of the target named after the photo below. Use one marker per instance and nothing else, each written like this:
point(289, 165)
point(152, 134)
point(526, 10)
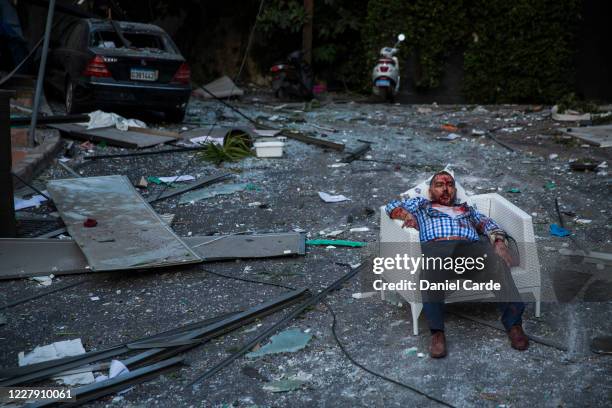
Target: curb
point(39, 157)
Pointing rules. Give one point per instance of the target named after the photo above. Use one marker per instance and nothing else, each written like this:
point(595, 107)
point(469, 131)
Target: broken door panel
point(128, 234)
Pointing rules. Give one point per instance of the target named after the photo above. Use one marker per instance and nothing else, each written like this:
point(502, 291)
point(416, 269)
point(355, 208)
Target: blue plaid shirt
point(434, 224)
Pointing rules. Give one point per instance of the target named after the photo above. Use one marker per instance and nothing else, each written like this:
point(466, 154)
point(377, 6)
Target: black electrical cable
point(248, 280)
point(366, 369)
point(531, 337)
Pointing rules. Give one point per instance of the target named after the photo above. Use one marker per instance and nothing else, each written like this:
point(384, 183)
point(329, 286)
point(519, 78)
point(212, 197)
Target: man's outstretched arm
point(404, 210)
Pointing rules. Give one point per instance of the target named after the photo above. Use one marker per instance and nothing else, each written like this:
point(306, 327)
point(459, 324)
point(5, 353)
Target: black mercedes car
point(104, 64)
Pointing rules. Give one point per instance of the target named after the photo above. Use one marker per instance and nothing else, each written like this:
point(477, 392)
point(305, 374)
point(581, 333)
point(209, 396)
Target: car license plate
point(139, 74)
point(383, 82)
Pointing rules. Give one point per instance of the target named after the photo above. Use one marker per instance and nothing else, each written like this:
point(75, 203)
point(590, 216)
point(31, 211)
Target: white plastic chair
point(509, 217)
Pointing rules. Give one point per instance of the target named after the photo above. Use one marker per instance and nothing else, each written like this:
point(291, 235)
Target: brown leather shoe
point(437, 347)
point(518, 338)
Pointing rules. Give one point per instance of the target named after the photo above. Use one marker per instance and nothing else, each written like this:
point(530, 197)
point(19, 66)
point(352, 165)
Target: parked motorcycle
point(293, 77)
point(386, 72)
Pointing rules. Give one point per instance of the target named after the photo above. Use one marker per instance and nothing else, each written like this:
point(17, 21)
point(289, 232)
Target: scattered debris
point(411, 351)
point(568, 116)
point(450, 136)
point(34, 201)
point(99, 119)
point(111, 136)
point(288, 341)
point(142, 183)
point(359, 229)
point(363, 295)
point(600, 136)
point(284, 385)
point(267, 147)
point(329, 198)
point(202, 182)
point(57, 350)
point(449, 128)
point(558, 231)
point(336, 242)
point(116, 368)
point(222, 87)
point(212, 192)
point(585, 164)
point(171, 179)
point(292, 134)
point(550, 185)
point(357, 153)
point(43, 280)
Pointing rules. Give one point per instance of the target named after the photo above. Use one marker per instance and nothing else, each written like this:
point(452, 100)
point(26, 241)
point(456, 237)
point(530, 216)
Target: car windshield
point(138, 40)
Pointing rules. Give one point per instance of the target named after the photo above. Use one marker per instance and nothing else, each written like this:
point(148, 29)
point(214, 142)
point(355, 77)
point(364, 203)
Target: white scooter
point(386, 73)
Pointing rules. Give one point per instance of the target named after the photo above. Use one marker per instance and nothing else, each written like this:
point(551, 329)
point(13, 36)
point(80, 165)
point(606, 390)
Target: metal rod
point(296, 312)
point(201, 183)
point(41, 73)
point(116, 156)
point(68, 169)
point(40, 371)
point(99, 389)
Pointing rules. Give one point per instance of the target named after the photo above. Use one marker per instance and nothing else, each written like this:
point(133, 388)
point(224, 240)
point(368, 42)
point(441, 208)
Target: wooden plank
point(128, 234)
point(112, 136)
point(313, 140)
point(155, 132)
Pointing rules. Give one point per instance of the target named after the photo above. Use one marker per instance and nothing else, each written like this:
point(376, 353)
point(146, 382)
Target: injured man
point(448, 228)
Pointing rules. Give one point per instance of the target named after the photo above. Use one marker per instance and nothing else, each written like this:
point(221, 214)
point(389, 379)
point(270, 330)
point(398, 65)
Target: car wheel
point(175, 115)
point(71, 106)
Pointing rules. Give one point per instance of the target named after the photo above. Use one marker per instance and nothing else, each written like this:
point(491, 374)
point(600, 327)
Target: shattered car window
point(138, 40)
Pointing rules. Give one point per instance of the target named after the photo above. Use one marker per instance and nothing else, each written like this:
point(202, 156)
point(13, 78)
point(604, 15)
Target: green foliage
point(234, 148)
point(281, 15)
point(336, 33)
point(571, 102)
point(520, 51)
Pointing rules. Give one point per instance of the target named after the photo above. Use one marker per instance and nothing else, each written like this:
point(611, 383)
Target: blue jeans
point(508, 298)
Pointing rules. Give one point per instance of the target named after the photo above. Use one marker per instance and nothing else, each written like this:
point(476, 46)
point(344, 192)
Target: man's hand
point(409, 220)
point(502, 250)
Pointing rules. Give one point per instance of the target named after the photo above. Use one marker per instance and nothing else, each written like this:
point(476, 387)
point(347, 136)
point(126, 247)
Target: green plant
point(571, 102)
point(233, 149)
point(520, 51)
